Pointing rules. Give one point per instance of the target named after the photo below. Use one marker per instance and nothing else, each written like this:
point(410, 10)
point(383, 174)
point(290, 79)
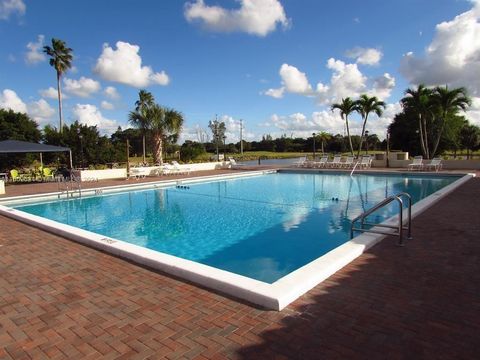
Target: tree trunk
point(420, 129)
point(425, 135)
point(158, 149)
point(143, 147)
point(322, 148)
point(439, 134)
point(59, 91)
point(348, 134)
point(361, 137)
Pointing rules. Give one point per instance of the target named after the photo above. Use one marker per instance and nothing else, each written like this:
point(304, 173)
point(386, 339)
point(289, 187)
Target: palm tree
point(449, 102)
point(61, 60)
point(139, 118)
point(366, 105)
point(420, 102)
point(346, 107)
point(324, 137)
point(163, 123)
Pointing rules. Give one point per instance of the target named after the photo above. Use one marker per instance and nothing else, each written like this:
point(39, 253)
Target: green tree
point(365, 106)
point(470, 138)
point(164, 123)
point(139, 117)
point(346, 107)
point(17, 126)
point(61, 60)
point(325, 137)
point(191, 150)
point(218, 129)
point(449, 103)
point(420, 102)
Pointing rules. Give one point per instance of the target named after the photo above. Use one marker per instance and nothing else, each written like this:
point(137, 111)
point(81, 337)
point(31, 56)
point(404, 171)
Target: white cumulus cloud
point(275, 93)
point(83, 87)
point(90, 115)
point(124, 65)
point(111, 93)
point(293, 81)
point(365, 56)
point(256, 17)
point(50, 93)
point(346, 81)
point(383, 86)
point(40, 111)
point(106, 105)
point(9, 7)
point(10, 100)
point(453, 56)
point(35, 51)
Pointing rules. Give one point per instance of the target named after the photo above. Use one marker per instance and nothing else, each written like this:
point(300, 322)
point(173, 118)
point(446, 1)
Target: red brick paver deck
point(62, 300)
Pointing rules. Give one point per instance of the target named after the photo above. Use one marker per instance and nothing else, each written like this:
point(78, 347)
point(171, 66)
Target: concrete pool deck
point(59, 299)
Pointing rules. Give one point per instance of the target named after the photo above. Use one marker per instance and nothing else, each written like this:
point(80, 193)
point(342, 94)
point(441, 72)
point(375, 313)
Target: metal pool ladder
point(399, 228)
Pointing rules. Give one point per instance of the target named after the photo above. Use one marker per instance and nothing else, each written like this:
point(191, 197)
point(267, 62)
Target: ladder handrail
point(400, 227)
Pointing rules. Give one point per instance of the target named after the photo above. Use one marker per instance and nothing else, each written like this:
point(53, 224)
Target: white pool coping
point(274, 296)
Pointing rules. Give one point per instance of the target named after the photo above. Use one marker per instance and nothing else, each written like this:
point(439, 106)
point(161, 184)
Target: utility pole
point(241, 139)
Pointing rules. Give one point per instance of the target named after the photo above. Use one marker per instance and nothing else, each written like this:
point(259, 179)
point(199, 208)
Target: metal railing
point(399, 228)
point(70, 187)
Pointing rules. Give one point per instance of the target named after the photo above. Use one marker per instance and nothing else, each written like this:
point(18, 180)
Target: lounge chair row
point(166, 169)
point(365, 162)
point(419, 164)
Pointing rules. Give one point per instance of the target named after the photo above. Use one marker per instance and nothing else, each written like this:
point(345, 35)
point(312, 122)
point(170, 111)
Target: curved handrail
point(400, 227)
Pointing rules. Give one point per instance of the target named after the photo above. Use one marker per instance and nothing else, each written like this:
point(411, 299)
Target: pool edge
point(274, 296)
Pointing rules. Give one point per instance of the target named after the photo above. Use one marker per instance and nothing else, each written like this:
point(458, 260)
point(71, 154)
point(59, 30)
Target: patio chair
point(434, 164)
point(180, 170)
point(233, 163)
point(335, 163)
point(416, 164)
point(48, 174)
point(365, 162)
point(321, 163)
point(300, 162)
point(349, 162)
point(16, 177)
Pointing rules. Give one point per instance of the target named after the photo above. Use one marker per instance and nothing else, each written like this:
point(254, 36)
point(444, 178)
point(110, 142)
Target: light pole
point(313, 134)
point(80, 136)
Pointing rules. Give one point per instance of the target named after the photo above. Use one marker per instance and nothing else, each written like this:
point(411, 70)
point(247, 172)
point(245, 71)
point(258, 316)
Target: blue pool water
point(263, 227)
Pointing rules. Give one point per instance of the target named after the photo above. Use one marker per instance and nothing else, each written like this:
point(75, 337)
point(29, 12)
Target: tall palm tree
point(139, 118)
point(449, 103)
point(420, 102)
point(365, 106)
point(61, 60)
point(163, 123)
point(346, 107)
point(324, 137)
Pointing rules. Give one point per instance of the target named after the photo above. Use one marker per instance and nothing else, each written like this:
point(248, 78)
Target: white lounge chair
point(234, 164)
point(434, 164)
point(349, 162)
point(180, 169)
point(321, 163)
point(335, 163)
point(365, 162)
point(300, 162)
point(416, 164)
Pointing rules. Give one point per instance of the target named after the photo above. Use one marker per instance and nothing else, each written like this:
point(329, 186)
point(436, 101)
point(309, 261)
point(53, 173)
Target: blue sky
point(276, 64)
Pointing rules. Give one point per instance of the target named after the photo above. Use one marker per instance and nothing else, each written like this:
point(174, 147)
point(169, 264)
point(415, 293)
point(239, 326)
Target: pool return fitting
point(398, 229)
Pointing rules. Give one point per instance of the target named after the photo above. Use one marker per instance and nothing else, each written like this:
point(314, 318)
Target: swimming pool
point(262, 227)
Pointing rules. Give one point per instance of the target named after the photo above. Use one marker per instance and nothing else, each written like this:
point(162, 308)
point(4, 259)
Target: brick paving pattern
point(62, 300)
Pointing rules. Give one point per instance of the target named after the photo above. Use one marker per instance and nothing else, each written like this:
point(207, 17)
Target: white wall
point(89, 175)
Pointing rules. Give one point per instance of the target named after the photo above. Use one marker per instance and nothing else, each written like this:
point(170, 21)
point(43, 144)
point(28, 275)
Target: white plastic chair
point(335, 162)
point(416, 164)
point(434, 164)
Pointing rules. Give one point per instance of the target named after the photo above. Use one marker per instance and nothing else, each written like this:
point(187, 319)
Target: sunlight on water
point(263, 227)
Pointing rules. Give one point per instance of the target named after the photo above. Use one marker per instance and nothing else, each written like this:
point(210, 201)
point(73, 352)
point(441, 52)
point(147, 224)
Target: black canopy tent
point(16, 146)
